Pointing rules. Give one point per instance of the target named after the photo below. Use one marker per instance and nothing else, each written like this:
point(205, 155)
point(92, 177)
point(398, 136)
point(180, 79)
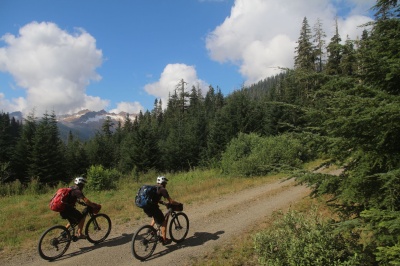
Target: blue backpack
point(146, 196)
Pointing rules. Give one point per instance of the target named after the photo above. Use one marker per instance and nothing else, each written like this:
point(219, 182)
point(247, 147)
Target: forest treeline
point(341, 101)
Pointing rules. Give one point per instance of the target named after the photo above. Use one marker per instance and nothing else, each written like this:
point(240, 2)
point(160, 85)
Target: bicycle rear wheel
point(98, 228)
point(144, 242)
point(179, 227)
point(54, 242)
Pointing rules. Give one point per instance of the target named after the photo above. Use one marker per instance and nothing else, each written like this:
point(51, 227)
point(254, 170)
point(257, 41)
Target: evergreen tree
point(47, 158)
point(381, 49)
point(143, 152)
point(348, 63)
point(305, 54)
point(101, 149)
point(334, 50)
point(76, 161)
point(21, 157)
point(319, 40)
point(6, 137)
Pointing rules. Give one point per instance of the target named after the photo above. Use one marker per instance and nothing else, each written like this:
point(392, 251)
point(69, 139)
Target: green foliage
point(11, 188)
point(100, 178)
point(252, 155)
point(302, 239)
point(381, 229)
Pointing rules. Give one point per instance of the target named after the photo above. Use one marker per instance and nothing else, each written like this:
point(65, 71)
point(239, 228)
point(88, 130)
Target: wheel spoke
point(144, 242)
point(179, 227)
point(98, 228)
point(54, 243)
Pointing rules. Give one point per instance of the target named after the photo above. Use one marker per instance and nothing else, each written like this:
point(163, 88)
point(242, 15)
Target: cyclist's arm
point(171, 201)
point(89, 203)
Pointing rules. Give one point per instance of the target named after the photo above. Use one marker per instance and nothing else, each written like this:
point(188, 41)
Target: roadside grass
point(240, 251)
point(25, 217)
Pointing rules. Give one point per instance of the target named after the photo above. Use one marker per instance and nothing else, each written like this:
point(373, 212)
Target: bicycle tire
point(179, 227)
point(54, 242)
point(144, 242)
point(98, 228)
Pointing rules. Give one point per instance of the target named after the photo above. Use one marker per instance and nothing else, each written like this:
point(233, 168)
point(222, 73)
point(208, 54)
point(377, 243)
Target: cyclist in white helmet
point(71, 213)
point(155, 212)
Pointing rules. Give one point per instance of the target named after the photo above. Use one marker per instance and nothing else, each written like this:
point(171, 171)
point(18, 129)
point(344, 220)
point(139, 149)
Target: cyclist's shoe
point(166, 241)
point(81, 237)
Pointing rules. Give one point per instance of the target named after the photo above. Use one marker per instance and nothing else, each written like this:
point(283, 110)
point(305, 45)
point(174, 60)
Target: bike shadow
point(115, 241)
point(198, 239)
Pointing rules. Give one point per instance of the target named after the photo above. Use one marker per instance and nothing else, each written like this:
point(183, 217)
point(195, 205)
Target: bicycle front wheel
point(98, 228)
point(54, 242)
point(144, 242)
point(179, 227)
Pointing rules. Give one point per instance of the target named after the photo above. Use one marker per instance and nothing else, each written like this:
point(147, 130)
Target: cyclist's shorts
point(71, 214)
point(156, 213)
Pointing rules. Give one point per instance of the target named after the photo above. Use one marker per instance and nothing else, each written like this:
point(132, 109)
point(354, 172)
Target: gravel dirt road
point(212, 224)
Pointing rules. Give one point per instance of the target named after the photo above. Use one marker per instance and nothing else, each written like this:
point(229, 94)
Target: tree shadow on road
point(198, 239)
point(115, 241)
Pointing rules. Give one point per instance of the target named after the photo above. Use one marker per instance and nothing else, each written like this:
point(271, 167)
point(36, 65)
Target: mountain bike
point(55, 241)
point(146, 238)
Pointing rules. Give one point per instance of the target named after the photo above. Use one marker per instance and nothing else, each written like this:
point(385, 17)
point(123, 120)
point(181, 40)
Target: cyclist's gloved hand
point(97, 208)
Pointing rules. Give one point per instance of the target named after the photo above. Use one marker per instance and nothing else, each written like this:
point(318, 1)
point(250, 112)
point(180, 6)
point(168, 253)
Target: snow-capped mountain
point(86, 123)
point(91, 117)
point(83, 124)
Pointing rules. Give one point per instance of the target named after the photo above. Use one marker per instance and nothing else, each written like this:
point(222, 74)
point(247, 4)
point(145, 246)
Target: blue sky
point(69, 55)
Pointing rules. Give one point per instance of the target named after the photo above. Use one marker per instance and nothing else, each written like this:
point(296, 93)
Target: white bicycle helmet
point(162, 180)
point(80, 180)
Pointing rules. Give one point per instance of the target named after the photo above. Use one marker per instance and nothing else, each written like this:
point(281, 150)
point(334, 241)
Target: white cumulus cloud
point(53, 66)
point(170, 78)
point(128, 107)
point(260, 35)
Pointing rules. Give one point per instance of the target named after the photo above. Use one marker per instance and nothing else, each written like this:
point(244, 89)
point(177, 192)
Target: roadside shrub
point(34, 187)
point(11, 188)
point(102, 179)
point(302, 239)
point(252, 155)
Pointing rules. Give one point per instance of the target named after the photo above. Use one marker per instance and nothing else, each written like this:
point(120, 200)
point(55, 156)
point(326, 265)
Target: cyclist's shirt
point(161, 192)
point(75, 195)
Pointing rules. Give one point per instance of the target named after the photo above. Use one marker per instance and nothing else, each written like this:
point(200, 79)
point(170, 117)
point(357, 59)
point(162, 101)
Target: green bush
point(302, 239)
point(252, 155)
point(102, 179)
point(12, 188)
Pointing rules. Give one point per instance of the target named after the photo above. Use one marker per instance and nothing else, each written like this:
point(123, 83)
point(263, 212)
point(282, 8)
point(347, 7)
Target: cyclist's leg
point(74, 217)
point(81, 221)
point(159, 218)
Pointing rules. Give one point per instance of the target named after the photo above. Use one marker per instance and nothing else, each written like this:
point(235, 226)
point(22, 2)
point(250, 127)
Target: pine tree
point(305, 54)
point(76, 161)
point(6, 144)
point(46, 161)
point(348, 63)
point(334, 50)
point(319, 40)
point(380, 50)
point(21, 157)
point(143, 152)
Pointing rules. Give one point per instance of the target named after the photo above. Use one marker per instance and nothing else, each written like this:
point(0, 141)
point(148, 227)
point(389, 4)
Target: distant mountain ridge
point(83, 124)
